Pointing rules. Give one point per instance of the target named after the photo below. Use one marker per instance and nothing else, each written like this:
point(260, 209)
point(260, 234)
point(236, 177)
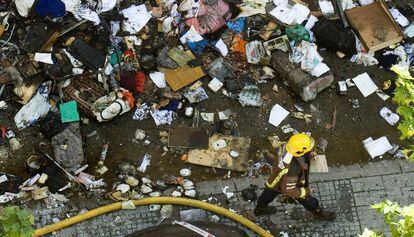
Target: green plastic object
point(69, 112)
point(297, 33)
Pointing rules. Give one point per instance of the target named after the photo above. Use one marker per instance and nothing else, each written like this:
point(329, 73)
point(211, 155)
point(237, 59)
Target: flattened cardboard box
point(183, 76)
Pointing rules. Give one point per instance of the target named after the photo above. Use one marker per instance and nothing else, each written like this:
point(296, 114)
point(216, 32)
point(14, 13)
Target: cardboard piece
point(319, 165)
point(221, 158)
point(375, 26)
point(188, 138)
point(181, 77)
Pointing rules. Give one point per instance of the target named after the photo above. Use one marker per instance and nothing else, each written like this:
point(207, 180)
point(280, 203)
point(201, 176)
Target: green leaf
point(407, 129)
point(407, 112)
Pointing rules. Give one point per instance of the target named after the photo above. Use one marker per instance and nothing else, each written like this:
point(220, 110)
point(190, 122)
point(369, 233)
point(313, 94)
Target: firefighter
point(290, 178)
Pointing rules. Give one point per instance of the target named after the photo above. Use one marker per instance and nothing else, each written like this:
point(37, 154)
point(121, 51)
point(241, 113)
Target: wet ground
point(345, 140)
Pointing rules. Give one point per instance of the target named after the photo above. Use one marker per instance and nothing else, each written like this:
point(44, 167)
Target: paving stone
point(349, 189)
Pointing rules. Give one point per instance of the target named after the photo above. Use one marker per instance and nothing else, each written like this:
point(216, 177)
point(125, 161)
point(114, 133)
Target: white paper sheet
point(215, 85)
point(284, 14)
point(86, 13)
point(137, 17)
point(377, 147)
point(279, 2)
point(159, 79)
point(311, 22)
point(222, 47)
point(208, 117)
point(326, 7)
point(365, 84)
point(301, 13)
point(277, 115)
point(108, 5)
point(320, 69)
point(44, 58)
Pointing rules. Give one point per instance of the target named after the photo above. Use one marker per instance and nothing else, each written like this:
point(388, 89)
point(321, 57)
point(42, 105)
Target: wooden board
point(221, 158)
point(188, 138)
point(319, 165)
point(372, 21)
point(183, 76)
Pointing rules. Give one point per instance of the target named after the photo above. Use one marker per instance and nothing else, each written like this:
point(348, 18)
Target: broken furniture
point(375, 26)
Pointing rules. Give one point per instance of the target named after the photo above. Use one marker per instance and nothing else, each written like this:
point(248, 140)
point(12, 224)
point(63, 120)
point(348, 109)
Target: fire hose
point(153, 200)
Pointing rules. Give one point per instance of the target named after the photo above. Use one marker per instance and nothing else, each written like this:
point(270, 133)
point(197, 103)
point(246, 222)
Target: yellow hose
point(153, 200)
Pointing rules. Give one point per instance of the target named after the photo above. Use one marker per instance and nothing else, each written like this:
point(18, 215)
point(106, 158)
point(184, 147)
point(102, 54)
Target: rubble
point(72, 74)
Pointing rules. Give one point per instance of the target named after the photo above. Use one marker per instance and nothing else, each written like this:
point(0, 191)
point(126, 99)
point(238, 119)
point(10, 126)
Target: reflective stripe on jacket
point(289, 175)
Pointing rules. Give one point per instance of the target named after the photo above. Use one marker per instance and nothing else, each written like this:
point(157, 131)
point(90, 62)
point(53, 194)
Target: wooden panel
point(372, 21)
point(188, 138)
point(183, 76)
point(221, 158)
point(319, 165)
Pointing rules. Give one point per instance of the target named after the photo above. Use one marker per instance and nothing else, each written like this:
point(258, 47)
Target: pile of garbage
point(66, 63)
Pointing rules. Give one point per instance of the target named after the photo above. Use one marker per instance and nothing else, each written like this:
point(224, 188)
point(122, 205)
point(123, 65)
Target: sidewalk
point(348, 189)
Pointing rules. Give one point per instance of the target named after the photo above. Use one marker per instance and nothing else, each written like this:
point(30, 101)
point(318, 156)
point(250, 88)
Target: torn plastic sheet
point(250, 96)
point(137, 17)
point(367, 59)
point(145, 163)
point(36, 108)
point(162, 117)
point(311, 61)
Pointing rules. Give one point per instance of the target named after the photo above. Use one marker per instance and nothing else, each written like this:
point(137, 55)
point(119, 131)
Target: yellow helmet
point(299, 144)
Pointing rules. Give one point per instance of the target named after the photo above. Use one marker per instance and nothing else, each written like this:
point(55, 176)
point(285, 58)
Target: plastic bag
point(297, 33)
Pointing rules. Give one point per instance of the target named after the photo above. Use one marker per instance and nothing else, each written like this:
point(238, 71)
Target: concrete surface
point(350, 190)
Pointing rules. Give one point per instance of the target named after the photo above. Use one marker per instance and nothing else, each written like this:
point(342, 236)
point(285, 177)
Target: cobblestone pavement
point(350, 190)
